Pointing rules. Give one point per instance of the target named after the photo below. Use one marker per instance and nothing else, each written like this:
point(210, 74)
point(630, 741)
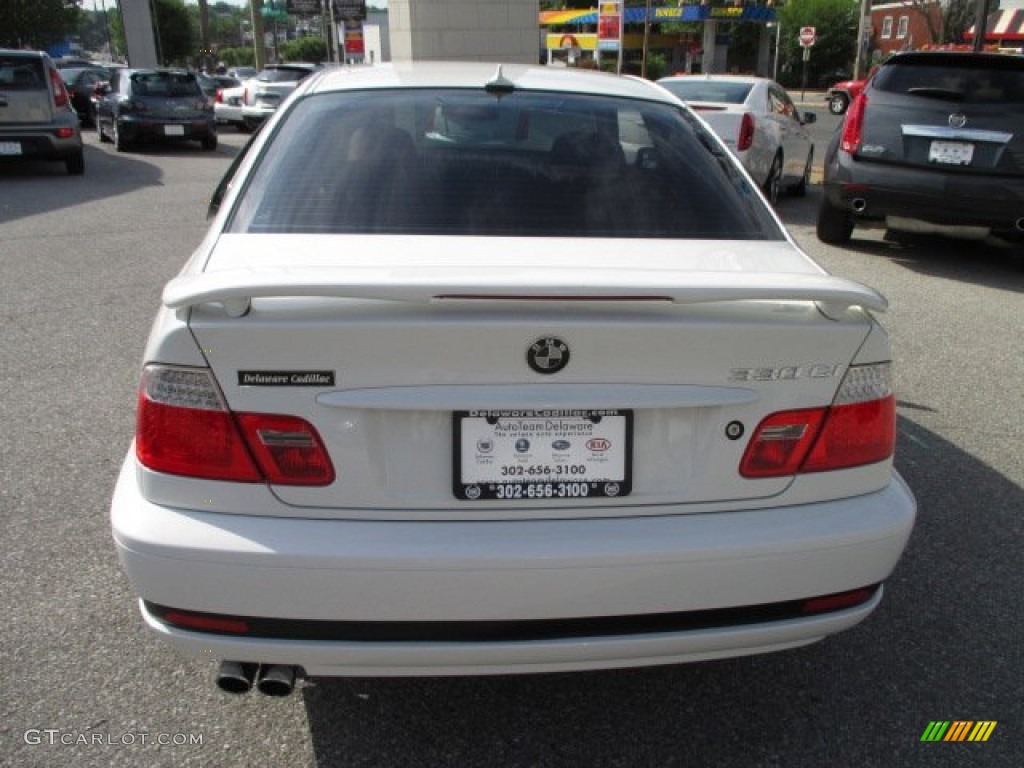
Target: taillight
point(858, 428)
point(746, 137)
point(245, 96)
point(60, 92)
point(853, 125)
point(183, 427)
point(218, 96)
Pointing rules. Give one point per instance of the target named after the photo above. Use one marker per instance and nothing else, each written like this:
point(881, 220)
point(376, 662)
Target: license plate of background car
point(10, 148)
point(950, 153)
point(174, 130)
point(542, 454)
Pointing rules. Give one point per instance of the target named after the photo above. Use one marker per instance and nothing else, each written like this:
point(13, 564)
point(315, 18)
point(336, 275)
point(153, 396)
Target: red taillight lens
point(746, 137)
point(857, 434)
point(853, 125)
point(60, 91)
point(780, 443)
point(184, 428)
point(219, 96)
point(287, 448)
point(858, 428)
point(64, 133)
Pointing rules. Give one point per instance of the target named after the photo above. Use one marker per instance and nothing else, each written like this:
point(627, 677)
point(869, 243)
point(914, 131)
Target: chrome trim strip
point(963, 134)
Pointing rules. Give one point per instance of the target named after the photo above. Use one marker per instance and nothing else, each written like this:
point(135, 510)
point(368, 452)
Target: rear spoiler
point(235, 289)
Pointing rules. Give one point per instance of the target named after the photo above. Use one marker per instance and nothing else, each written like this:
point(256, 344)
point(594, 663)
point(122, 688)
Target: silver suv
point(36, 118)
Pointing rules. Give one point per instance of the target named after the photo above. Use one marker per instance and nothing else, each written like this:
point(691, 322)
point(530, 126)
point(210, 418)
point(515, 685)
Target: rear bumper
point(524, 571)
point(42, 142)
point(134, 129)
point(873, 192)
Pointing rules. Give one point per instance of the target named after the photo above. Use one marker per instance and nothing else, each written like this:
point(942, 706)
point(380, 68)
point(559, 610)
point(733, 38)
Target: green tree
point(304, 49)
point(37, 23)
point(835, 23)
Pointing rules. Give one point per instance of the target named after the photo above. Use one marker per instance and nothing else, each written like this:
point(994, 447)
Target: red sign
point(807, 36)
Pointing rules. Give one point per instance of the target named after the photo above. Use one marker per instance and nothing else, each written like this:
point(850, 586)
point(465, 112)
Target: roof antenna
point(499, 83)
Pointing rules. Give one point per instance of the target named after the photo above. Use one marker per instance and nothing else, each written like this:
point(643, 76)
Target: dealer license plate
point(10, 148)
point(174, 130)
point(543, 454)
point(950, 152)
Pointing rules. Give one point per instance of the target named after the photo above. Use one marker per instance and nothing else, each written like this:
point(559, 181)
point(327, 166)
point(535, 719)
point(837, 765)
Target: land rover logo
point(548, 355)
point(957, 120)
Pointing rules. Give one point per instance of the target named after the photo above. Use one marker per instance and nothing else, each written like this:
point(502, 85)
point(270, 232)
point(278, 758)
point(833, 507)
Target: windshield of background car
point(282, 75)
point(708, 90)
point(165, 84)
point(459, 162)
point(22, 73)
point(969, 79)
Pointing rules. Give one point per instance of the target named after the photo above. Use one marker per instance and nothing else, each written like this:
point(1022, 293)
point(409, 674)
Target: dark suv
point(36, 118)
point(933, 145)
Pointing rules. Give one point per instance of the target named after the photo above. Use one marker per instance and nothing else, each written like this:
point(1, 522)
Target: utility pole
point(862, 25)
point(647, 37)
point(980, 25)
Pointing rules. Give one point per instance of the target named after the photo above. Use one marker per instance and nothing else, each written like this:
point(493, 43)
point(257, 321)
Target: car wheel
point(774, 180)
point(800, 190)
point(104, 139)
point(838, 104)
point(120, 143)
point(210, 142)
point(835, 225)
point(75, 164)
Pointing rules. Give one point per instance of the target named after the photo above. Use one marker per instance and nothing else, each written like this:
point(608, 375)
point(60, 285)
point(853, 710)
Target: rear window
point(22, 73)
point(165, 84)
point(988, 80)
point(708, 90)
point(282, 75)
point(470, 163)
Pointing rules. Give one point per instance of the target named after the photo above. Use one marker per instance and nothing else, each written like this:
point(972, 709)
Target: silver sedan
point(760, 124)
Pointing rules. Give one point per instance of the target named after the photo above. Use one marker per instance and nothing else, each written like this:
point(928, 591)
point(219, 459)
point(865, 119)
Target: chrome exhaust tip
point(236, 676)
point(276, 680)
point(859, 204)
point(1020, 224)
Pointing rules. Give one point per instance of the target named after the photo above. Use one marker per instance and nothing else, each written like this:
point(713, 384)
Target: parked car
point(36, 118)
point(227, 107)
point(760, 124)
point(494, 369)
point(212, 83)
point(934, 144)
point(80, 84)
point(840, 95)
point(265, 91)
point(154, 105)
point(242, 73)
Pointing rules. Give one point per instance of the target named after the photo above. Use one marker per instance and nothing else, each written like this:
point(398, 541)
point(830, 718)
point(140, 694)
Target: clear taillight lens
point(183, 427)
point(858, 428)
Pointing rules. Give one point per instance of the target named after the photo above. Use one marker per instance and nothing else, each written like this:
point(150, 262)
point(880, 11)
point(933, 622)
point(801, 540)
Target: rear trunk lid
point(399, 365)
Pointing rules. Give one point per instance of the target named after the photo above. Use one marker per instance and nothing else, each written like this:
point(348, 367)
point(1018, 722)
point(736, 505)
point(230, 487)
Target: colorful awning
point(665, 14)
point(1007, 24)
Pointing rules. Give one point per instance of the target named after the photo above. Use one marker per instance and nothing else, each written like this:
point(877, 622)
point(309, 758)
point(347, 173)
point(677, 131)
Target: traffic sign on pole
point(807, 36)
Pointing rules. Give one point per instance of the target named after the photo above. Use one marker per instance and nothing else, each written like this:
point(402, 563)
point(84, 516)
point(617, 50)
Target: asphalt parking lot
point(84, 683)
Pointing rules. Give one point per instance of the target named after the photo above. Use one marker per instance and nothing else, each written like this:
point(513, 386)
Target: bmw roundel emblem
point(548, 354)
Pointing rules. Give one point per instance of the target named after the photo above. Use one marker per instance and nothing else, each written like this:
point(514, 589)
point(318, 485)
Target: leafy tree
point(835, 23)
point(304, 49)
point(37, 24)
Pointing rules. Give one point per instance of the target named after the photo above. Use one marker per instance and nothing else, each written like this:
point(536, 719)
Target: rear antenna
point(499, 83)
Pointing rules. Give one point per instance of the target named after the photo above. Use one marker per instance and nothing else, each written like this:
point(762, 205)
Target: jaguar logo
point(548, 354)
point(957, 120)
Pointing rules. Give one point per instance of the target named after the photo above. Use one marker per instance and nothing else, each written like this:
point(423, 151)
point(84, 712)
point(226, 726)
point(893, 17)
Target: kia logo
point(598, 444)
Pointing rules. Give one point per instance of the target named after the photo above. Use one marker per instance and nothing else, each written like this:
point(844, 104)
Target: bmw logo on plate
point(548, 355)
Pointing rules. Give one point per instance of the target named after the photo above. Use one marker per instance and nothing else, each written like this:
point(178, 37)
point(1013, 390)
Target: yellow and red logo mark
point(958, 730)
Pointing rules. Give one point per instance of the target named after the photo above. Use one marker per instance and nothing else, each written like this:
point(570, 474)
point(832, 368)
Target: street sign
point(807, 36)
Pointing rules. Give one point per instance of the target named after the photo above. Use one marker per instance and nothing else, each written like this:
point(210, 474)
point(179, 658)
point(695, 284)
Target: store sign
point(609, 26)
point(350, 9)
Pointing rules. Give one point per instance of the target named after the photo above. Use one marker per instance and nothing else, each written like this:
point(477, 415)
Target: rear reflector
point(838, 601)
point(183, 427)
point(205, 622)
point(859, 428)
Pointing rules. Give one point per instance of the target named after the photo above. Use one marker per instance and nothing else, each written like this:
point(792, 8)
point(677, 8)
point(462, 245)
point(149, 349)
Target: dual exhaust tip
point(270, 679)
